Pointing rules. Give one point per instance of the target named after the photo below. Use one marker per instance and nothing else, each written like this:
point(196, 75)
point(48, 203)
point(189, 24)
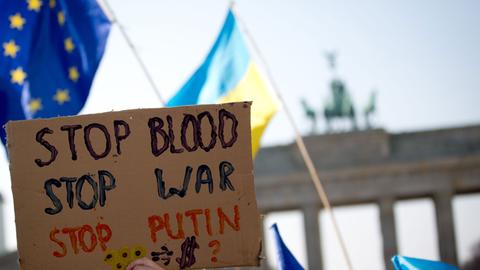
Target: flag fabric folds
point(50, 51)
point(286, 260)
point(407, 263)
point(228, 74)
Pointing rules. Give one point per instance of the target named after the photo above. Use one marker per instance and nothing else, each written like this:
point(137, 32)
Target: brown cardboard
point(133, 210)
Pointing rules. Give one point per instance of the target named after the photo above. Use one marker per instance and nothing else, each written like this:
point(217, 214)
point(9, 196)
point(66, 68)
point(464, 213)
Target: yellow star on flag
point(69, 46)
point(73, 74)
point(16, 21)
point(18, 75)
point(35, 105)
point(10, 48)
point(34, 5)
point(61, 96)
point(61, 18)
point(52, 3)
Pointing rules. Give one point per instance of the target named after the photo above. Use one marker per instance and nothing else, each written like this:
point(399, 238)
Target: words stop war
point(162, 136)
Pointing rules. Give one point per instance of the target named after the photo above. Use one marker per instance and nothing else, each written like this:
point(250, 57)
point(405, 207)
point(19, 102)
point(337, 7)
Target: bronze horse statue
point(311, 114)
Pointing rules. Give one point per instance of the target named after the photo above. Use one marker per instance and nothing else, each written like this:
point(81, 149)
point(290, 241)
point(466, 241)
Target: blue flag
point(50, 51)
point(286, 260)
point(406, 263)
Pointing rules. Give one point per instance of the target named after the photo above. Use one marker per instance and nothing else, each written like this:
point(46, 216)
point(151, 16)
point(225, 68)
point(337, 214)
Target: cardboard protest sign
point(98, 191)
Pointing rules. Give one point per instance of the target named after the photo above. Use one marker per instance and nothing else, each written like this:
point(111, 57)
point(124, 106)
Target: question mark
point(216, 248)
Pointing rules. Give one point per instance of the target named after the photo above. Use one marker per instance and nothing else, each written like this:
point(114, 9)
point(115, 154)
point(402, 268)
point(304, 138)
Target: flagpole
point(300, 143)
point(113, 18)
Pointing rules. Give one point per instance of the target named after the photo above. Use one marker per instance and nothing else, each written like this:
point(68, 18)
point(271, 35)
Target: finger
point(134, 264)
point(147, 262)
point(141, 267)
point(143, 262)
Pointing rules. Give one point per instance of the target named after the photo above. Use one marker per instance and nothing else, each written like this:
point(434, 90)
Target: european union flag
point(50, 51)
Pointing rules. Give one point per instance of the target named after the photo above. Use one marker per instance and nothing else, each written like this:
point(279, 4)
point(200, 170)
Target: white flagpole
point(113, 18)
point(299, 140)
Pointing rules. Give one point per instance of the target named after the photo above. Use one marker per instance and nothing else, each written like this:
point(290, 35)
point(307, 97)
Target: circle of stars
point(11, 50)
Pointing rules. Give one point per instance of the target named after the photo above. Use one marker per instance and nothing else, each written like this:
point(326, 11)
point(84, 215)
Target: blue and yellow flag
point(228, 74)
point(50, 51)
point(286, 260)
point(407, 263)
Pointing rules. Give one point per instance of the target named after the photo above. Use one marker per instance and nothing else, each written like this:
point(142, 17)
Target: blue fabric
point(407, 263)
point(225, 65)
point(44, 59)
point(286, 260)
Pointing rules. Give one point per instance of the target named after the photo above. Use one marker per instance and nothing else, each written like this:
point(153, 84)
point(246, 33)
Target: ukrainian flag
point(228, 74)
point(407, 263)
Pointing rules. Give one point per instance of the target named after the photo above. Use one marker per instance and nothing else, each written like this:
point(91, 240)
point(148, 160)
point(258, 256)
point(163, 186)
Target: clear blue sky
point(422, 56)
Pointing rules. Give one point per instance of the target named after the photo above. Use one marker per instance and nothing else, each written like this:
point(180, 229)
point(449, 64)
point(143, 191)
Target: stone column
point(387, 223)
point(312, 235)
point(445, 227)
point(3, 241)
point(266, 232)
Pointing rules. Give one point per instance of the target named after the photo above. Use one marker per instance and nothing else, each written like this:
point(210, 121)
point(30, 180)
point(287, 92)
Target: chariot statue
point(340, 104)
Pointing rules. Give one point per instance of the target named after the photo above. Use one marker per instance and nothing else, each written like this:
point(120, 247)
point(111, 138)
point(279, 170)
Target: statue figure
point(340, 105)
point(370, 108)
point(311, 114)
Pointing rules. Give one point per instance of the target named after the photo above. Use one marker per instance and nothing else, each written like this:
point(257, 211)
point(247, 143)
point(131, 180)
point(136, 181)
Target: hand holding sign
point(172, 184)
